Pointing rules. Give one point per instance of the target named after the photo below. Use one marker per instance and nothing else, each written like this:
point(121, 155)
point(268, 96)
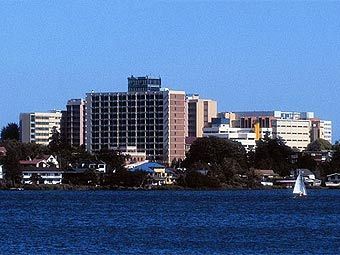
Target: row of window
point(290, 126)
point(142, 96)
point(290, 133)
point(43, 174)
point(128, 135)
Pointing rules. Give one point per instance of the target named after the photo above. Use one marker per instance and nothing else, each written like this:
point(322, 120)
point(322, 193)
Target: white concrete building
point(221, 128)
point(36, 127)
point(296, 133)
point(326, 130)
point(297, 129)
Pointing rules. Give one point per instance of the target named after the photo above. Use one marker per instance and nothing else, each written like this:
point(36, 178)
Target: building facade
point(73, 122)
point(297, 129)
point(222, 128)
point(199, 113)
point(152, 120)
point(296, 133)
point(37, 127)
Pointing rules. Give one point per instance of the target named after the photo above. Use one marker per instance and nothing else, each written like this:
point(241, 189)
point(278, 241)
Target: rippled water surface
point(169, 222)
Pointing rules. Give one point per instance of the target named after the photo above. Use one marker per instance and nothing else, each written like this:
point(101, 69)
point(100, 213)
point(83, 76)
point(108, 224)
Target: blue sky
point(247, 55)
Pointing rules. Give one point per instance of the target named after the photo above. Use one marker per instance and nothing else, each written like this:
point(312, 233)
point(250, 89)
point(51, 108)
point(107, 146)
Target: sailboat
point(299, 187)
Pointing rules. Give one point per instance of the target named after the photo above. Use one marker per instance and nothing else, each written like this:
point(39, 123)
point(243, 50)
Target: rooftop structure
point(144, 83)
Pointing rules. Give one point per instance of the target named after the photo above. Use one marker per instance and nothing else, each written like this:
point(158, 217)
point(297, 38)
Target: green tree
point(212, 151)
point(56, 144)
point(17, 151)
point(10, 132)
point(306, 161)
point(11, 162)
point(197, 180)
point(125, 178)
point(319, 145)
point(273, 154)
point(223, 159)
point(114, 159)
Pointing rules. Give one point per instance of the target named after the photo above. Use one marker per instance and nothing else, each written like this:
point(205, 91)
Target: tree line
point(210, 162)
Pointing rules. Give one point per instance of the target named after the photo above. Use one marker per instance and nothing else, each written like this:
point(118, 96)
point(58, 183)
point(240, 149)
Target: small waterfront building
point(42, 175)
point(333, 180)
point(266, 177)
point(42, 162)
point(96, 165)
point(158, 173)
point(41, 170)
point(309, 177)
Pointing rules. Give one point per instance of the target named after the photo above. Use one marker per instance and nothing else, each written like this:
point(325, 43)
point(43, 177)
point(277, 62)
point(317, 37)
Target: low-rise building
point(159, 174)
point(309, 177)
point(96, 165)
point(266, 177)
point(44, 161)
point(42, 175)
point(222, 128)
point(333, 180)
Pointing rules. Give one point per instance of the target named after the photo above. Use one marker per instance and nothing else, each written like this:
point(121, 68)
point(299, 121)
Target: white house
point(43, 175)
point(96, 165)
point(42, 162)
point(159, 174)
point(333, 180)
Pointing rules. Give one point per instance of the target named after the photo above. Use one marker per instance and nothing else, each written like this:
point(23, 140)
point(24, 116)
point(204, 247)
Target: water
point(169, 222)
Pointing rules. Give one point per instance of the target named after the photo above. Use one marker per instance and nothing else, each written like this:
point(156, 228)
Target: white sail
point(299, 187)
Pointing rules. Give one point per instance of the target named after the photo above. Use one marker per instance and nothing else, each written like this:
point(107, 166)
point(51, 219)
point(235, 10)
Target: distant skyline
point(246, 55)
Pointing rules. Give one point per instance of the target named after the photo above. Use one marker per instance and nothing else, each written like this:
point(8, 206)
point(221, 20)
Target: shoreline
point(65, 187)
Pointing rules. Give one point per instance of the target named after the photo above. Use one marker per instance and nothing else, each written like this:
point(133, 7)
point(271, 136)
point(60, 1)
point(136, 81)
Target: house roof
point(30, 162)
point(147, 167)
point(35, 160)
point(264, 172)
point(333, 174)
point(42, 169)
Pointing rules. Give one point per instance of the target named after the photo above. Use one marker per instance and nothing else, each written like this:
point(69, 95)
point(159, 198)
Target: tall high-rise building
point(199, 113)
point(73, 121)
point(37, 127)
point(152, 120)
